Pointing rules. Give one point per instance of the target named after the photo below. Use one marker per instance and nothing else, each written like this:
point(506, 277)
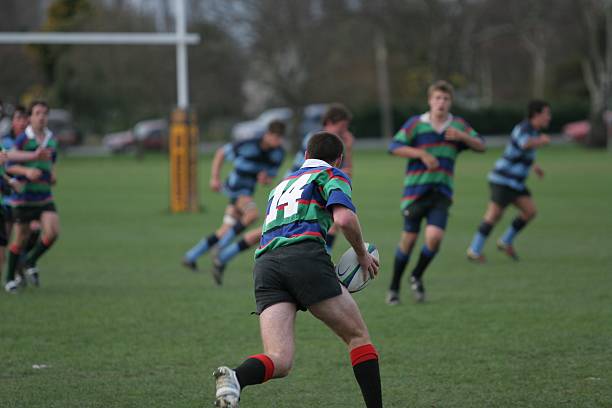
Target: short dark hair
point(37, 103)
point(335, 113)
point(325, 146)
point(277, 127)
point(19, 110)
point(442, 86)
point(536, 106)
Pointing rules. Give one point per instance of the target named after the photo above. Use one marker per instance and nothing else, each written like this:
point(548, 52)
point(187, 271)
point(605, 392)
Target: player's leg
point(434, 233)
point(20, 235)
point(342, 315)
point(230, 218)
point(226, 254)
point(50, 227)
point(413, 216)
point(402, 257)
point(35, 231)
point(248, 214)
point(528, 211)
point(492, 216)
point(277, 333)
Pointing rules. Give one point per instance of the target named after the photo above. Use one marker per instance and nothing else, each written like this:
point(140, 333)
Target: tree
point(597, 68)
point(62, 15)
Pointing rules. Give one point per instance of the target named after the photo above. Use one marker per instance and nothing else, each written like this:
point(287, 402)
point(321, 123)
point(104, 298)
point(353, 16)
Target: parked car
point(579, 130)
point(251, 128)
point(62, 126)
point(145, 135)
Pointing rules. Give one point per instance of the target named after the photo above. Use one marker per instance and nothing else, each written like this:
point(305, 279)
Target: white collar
point(31, 135)
point(315, 163)
point(426, 118)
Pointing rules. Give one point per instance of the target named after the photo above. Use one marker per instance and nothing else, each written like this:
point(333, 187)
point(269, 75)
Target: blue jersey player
point(255, 160)
point(507, 181)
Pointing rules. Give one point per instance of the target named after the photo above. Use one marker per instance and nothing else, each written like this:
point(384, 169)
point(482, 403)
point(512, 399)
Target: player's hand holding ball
point(369, 265)
point(355, 271)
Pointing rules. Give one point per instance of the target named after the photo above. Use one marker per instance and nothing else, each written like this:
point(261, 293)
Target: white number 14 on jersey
point(287, 199)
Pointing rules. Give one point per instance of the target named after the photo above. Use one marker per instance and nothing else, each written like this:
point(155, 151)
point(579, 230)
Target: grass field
point(118, 323)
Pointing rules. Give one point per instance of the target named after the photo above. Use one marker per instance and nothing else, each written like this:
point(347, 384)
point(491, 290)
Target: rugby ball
point(349, 271)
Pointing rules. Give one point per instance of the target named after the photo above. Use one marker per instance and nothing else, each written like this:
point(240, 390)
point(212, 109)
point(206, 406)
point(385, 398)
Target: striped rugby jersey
point(299, 207)
point(513, 167)
point(35, 193)
point(249, 159)
point(6, 143)
point(418, 132)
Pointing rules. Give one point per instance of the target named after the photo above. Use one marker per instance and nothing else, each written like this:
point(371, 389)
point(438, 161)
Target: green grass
point(120, 324)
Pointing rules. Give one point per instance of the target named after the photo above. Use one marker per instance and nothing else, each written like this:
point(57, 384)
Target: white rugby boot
point(228, 388)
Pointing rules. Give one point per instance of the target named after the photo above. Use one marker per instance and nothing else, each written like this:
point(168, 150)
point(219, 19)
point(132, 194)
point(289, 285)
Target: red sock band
point(363, 353)
point(15, 249)
point(268, 364)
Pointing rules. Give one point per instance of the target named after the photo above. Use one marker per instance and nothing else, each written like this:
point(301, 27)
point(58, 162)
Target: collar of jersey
point(31, 135)
point(426, 118)
point(315, 163)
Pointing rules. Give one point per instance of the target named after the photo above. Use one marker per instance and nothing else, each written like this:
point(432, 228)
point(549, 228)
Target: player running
point(336, 120)
point(255, 161)
point(507, 181)
point(431, 143)
point(293, 271)
point(34, 201)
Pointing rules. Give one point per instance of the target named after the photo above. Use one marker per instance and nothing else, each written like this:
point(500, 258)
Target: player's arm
point(535, 142)
point(415, 153)
point(30, 173)
point(347, 221)
point(21, 156)
point(474, 143)
point(215, 170)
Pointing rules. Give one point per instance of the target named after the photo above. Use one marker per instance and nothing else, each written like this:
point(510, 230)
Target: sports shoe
point(393, 297)
point(21, 281)
point(32, 275)
point(11, 287)
point(418, 289)
point(191, 265)
point(508, 249)
point(474, 257)
point(228, 388)
point(217, 271)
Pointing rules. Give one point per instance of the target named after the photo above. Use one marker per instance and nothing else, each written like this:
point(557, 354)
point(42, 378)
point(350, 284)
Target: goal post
point(183, 152)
